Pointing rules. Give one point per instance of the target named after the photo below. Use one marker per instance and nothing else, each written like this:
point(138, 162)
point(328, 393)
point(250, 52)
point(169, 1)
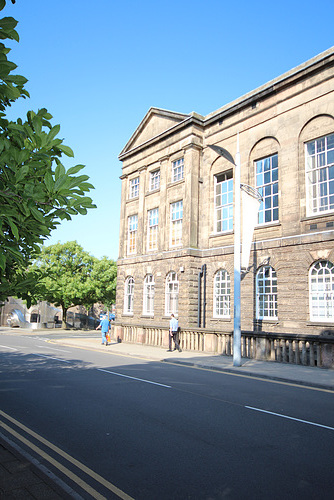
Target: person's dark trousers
point(176, 341)
point(170, 336)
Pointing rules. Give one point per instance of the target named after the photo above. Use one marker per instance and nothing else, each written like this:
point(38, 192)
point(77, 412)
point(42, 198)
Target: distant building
point(15, 313)
point(176, 231)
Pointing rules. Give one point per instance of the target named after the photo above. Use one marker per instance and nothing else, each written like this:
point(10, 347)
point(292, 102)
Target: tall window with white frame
point(128, 295)
point(148, 295)
point(155, 180)
point(319, 155)
point(322, 291)
point(134, 188)
point(222, 294)
point(267, 184)
point(224, 202)
point(132, 234)
point(266, 293)
point(176, 219)
point(152, 229)
point(178, 170)
point(172, 294)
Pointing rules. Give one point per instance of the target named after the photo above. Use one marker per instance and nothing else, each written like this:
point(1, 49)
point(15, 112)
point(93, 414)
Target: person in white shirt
point(173, 330)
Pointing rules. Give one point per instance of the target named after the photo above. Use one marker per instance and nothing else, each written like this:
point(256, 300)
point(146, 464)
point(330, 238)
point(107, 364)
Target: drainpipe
point(204, 293)
point(201, 274)
point(199, 299)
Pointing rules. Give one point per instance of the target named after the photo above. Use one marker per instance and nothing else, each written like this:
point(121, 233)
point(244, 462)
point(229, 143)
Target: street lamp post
point(237, 259)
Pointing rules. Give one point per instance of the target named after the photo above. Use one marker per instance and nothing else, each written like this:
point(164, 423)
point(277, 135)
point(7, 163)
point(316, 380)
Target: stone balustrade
point(283, 348)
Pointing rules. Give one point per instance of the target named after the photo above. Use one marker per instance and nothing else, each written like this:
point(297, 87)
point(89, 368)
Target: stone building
point(176, 234)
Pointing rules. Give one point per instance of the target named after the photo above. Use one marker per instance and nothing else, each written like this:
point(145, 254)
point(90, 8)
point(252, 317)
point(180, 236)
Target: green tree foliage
point(104, 277)
point(69, 276)
point(36, 191)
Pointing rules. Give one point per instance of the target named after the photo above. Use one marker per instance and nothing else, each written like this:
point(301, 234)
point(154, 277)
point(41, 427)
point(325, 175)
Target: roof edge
point(141, 126)
point(267, 86)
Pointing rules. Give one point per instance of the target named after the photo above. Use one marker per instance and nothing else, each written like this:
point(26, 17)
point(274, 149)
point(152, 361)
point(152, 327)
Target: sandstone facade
point(177, 210)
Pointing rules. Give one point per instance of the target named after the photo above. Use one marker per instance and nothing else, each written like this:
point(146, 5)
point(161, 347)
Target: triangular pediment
point(156, 122)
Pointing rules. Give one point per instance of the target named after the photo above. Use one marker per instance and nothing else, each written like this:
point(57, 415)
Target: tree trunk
point(64, 324)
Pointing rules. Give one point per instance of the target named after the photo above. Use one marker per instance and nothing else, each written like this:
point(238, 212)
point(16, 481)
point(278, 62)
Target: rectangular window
point(176, 224)
point(177, 170)
point(319, 156)
point(134, 188)
point(154, 180)
point(224, 202)
point(267, 184)
point(132, 234)
point(152, 229)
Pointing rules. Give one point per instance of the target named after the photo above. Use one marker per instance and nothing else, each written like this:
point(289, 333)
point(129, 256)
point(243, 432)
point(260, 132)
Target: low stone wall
point(284, 348)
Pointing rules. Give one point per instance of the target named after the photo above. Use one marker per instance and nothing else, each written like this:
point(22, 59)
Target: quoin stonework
point(176, 249)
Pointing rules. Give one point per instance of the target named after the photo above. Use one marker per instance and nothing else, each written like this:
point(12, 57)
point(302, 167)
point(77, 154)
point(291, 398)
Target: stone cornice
point(192, 120)
point(291, 77)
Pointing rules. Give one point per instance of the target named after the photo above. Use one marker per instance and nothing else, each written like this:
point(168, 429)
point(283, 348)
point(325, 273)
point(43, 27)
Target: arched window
point(172, 294)
point(267, 184)
point(321, 291)
point(224, 202)
point(128, 295)
point(319, 155)
point(221, 294)
point(266, 293)
point(148, 295)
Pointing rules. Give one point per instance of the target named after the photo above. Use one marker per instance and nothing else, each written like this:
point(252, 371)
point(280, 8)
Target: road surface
point(112, 426)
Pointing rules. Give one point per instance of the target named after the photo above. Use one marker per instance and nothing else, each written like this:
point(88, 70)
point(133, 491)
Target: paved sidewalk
point(297, 374)
point(20, 479)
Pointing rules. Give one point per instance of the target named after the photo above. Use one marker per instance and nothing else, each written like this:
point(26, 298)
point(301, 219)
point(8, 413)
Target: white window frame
point(319, 169)
point(128, 295)
point(223, 186)
point(155, 180)
point(178, 170)
point(134, 188)
point(222, 294)
point(148, 295)
point(132, 234)
point(321, 291)
point(152, 229)
point(172, 294)
point(176, 221)
point(266, 173)
point(266, 293)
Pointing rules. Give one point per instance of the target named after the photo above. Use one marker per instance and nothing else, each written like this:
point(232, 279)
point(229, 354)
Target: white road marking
point(134, 378)
point(50, 357)
point(51, 348)
point(291, 418)
point(6, 347)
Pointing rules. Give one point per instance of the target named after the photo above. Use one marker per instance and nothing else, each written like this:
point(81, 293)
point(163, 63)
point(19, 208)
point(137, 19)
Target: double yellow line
point(76, 479)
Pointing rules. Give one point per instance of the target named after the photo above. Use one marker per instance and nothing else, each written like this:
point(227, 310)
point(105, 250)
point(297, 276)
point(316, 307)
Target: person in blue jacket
point(104, 325)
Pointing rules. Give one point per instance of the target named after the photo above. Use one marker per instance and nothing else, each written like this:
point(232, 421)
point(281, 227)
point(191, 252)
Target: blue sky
point(99, 66)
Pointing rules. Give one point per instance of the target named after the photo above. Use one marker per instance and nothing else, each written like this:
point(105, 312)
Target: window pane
point(319, 162)
point(266, 293)
point(177, 170)
point(224, 204)
point(222, 294)
point(322, 291)
point(267, 185)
